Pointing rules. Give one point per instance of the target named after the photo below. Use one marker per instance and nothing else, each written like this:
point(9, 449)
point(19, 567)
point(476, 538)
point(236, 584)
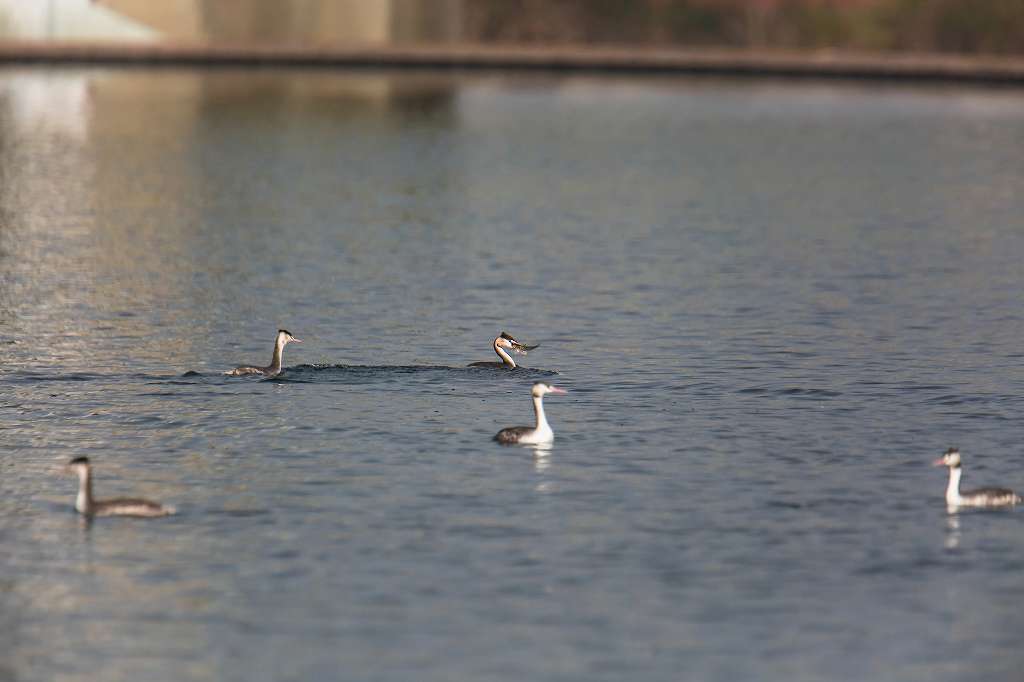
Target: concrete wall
point(68, 20)
point(293, 22)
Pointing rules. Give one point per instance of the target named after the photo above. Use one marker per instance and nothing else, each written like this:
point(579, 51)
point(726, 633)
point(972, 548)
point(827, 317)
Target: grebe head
point(541, 389)
point(284, 337)
point(79, 465)
point(505, 340)
point(951, 459)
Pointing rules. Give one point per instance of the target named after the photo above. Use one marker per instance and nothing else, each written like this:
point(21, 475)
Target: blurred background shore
point(970, 39)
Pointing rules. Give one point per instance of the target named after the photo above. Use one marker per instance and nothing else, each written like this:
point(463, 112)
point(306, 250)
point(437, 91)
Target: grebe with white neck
point(527, 435)
point(284, 337)
point(87, 505)
point(982, 497)
point(501, 345)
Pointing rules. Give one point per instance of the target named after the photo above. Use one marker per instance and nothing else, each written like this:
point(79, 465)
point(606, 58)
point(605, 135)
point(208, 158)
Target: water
point(772, 304)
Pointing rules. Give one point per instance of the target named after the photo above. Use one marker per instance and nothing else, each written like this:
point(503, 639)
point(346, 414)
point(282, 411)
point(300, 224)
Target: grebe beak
point(296, 340)
point(940, 462)
point(555, 389)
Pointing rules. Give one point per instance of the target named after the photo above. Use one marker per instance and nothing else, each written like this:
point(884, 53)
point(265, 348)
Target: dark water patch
point(174, 394)
point(909, 568)
point(920, 387)
point(144, 419)
point(519, 371)
point(240, 513)
point(810, 393)
point(313, 373)
point(493, 531)
point(869, 276)
point(957, 399)
point(783, 504)
point(323, 482)
point(792, 353)
point(994, 416)
point(632, 468)
point(695, 387)
point(186, 379)
point(990, 512)
point(29, 376)
point(465, 498)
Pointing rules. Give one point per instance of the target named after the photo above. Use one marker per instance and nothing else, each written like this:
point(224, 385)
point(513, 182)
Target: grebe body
point(87, 505)
point(529, 435)
point(981, 497)
point(284, 337)
point(501, 345)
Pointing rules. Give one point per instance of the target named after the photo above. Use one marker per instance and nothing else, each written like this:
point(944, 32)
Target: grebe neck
point(83, 503)
point(538, 408)
point(275, 362)
point(953, 489)
point(505, 357)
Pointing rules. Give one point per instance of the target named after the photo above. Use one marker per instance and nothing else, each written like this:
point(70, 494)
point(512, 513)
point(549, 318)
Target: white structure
point(239, 22)
point(67, 20)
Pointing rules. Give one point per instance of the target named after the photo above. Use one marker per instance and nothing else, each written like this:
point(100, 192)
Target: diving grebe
point(501, 342)
point(121, 506)
point(284, 337)
point(983, 497)
point(541, 433)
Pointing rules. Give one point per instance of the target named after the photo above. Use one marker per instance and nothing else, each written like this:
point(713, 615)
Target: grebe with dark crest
point(86, 505)
point(502, 342)
point(284, 337)
point(527, 435)
point(982, 497)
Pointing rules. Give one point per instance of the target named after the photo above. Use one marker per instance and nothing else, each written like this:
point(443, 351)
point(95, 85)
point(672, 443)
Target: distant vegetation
point(962, 26)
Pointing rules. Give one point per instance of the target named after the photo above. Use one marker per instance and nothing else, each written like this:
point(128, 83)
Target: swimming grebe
point(541, 433)
point(121, 506)
point(501, 342)
point(983, 497)
point(284, 337)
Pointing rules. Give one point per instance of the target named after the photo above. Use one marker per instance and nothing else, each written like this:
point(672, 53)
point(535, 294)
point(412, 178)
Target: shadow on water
point(305, 373)
point(366, 373)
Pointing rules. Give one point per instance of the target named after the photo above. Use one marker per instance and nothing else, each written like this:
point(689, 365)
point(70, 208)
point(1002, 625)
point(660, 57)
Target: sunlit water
point(772, 305)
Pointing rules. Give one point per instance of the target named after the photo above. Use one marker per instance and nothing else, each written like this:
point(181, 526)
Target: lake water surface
point(773, 304)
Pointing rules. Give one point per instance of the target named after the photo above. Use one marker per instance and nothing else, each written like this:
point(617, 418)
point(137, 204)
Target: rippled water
point(772, 304)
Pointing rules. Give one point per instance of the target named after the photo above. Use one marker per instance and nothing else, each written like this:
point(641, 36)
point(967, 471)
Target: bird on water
point(982, 497)
point(87, 505)
point(503, 343)
point(541, 433)
point(284, 337)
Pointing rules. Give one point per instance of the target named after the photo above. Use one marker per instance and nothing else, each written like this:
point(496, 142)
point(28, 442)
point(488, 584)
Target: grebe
point(501, 342)
point(541, 433)
point(983, 497)
point(284, 337)
point(121, 506)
